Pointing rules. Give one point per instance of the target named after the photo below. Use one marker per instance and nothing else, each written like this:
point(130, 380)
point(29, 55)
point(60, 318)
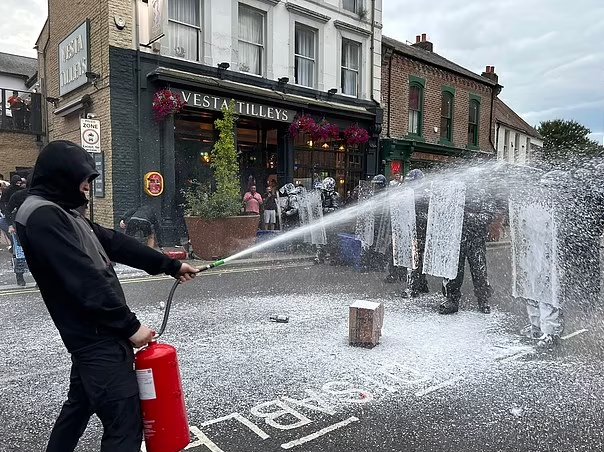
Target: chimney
point(490, 74)
point(423, 43)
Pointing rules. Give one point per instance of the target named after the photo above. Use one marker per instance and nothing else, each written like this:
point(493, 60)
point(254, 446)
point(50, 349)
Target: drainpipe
point(497, 140)
point(389, 91)
point(137, 72)
point(372, 50)
point(494, 93)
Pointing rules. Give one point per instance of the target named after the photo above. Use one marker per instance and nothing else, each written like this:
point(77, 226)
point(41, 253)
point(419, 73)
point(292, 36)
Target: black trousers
point(417, 281)
point(473, 247)
point(102, 382)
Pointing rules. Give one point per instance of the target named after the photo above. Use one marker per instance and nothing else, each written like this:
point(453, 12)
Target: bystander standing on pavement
point(7, 193)
point(70, 258)
point(15, 201)
point(270, 210)
point(252, 201)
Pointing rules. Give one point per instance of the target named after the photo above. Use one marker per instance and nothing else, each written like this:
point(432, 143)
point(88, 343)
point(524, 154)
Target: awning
point(230, 88)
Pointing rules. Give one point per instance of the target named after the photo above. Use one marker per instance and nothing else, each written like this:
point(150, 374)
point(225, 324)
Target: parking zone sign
point(90, 130)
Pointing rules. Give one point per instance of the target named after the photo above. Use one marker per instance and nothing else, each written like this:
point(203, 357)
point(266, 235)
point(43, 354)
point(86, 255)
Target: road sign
point(90, 130)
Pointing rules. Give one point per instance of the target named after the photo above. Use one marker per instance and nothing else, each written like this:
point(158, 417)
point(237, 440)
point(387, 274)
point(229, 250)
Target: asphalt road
point(435, 383)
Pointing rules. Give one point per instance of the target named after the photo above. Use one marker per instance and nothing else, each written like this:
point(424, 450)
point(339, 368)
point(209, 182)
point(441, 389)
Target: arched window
point(473, 122)
point(416, 93)
point(446, 117)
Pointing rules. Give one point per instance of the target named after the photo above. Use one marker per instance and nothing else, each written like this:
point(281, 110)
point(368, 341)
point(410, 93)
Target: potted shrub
point(213, 216)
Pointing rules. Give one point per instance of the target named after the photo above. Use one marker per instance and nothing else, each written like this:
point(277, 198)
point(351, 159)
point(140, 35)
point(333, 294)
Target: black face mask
point(60, 169)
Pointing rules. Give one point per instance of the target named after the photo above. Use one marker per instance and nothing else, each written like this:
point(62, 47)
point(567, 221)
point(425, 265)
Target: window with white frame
point(351, 54)
point(305, 56)
point(351, 5)
point(251, 40)
point(184, 28)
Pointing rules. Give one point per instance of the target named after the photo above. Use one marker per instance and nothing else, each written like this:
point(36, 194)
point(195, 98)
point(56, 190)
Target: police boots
point(449, 306)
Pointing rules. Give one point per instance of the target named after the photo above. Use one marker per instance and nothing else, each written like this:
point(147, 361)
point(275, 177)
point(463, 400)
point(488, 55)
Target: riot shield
point(404, 232)
point(365, 225)
point(445, 223)
point(314, 205)
point(383, 238)
point(304, 212)
point(535, 254)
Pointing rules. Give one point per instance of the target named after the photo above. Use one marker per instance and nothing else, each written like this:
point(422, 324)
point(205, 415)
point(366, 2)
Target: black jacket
point(76, 279)
point(13, 205)
point(8, 193)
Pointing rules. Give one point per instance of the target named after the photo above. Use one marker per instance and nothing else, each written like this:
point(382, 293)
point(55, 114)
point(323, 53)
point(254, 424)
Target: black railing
point(20, 111)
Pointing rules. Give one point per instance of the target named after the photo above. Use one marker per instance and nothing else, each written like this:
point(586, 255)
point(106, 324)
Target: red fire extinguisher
point(165, 422)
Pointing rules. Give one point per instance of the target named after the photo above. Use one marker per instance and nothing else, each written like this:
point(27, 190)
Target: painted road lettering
point(282, 412)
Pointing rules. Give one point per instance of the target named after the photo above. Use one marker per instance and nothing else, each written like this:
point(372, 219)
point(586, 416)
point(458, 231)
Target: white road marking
point(324, 431)
point(576, 333)
point(238, 417)
point(142, 279)
point(442, 385)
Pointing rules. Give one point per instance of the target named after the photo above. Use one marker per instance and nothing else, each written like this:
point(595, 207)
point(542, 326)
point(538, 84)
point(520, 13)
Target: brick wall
point(17, 149)
point(435, 80)
point(103, 34)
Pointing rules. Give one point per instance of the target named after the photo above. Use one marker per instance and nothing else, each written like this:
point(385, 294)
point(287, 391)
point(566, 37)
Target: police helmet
point(379, 181)
point(329, 184)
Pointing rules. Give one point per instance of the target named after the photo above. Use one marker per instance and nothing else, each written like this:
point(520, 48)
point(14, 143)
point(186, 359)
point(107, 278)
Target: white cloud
point(22, 21)
point(547, 53)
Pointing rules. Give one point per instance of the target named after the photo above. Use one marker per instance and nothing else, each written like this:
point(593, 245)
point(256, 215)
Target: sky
point(549, 54)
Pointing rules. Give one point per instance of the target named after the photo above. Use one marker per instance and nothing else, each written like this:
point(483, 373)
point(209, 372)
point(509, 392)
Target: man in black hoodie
point(70, 258)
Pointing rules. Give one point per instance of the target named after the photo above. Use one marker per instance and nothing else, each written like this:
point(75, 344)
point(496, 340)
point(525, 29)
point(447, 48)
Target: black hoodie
point(70, 257)
point(9, 192)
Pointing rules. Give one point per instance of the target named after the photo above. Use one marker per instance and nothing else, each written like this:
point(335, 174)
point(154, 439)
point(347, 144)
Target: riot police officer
point(330, 201)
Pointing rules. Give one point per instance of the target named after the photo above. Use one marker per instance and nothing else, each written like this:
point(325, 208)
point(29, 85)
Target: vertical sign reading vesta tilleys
point(74, 57)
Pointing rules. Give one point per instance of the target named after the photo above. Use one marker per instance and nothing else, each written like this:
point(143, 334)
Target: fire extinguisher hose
point(164, 322)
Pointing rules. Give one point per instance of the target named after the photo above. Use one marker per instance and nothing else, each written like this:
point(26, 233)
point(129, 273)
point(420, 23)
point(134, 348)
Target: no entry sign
point(90, 130)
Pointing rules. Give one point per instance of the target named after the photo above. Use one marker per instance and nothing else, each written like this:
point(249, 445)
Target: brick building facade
point(128, 62)
point(434, 110)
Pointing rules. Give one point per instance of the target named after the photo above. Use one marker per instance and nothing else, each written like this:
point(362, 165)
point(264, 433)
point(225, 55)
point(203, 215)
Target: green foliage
point(225, 201)
point(563, 140)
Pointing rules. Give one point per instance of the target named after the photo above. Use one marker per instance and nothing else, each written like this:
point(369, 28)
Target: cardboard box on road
point(365, 323)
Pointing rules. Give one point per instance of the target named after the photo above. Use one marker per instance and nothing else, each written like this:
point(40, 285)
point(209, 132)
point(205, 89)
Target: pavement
point(462, 382)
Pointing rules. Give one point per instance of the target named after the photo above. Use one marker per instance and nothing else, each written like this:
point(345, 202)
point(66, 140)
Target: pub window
point(415, 109)
point(351, 52)
point(184, 28)
point(473, 121)
point(251, 40)
point(351, 5)
point(446, 117)
point(305, 56)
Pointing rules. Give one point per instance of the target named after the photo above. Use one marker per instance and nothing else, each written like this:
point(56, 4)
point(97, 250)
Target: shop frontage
point(401, 156)
point(269, 144)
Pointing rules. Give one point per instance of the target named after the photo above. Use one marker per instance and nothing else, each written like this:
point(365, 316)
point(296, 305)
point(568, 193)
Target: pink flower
point(356, 135)
point(165, 103)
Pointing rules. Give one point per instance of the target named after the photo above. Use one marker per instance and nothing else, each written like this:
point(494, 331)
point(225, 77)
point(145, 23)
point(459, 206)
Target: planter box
point(223, 237)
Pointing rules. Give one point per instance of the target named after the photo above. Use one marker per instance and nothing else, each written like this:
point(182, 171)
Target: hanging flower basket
point(303, 124)
point(355, 135)
point(166, 103)
point(323, 131)
point(326, 131)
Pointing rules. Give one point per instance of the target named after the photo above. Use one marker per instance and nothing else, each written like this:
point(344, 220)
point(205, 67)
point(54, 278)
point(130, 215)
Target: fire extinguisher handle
point(164, 322)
